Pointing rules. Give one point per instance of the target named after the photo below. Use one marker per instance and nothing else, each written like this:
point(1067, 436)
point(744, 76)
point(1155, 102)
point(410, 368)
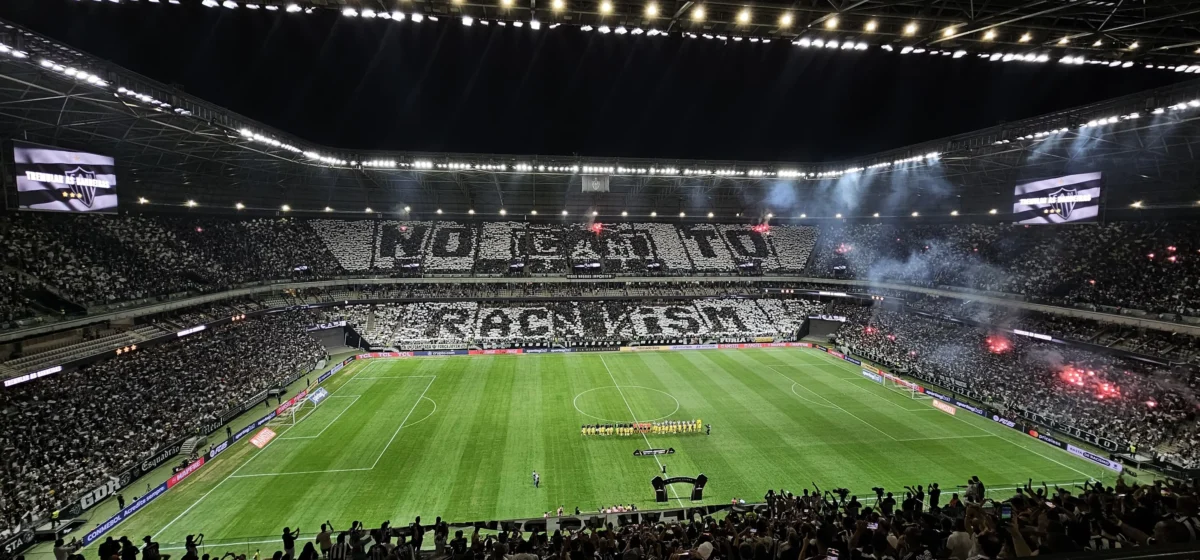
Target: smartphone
point(1006, 512)
point(872, 526)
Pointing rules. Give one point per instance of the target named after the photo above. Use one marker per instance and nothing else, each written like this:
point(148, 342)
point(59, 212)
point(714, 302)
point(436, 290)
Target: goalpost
point(898, 385)
point(301, 408)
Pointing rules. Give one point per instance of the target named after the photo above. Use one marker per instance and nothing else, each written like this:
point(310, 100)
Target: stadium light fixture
point(870, 27)
point(230, 4)
point(876, 215)
point(910, 29)
point(954, 212)
point(1097, 43)
point(503, 212)
point(467, 21)
point(506, 3)
point(559, 5)
point(838, 215)
point(417, 18)
point(652, 10)
point(439, 210)
point(682, 214)
point(1134, 46)
point(595, 213)
point(785, 20)
point(992, 211)
point(240, 206)
point(803, 215)
point(292, 8)
point(743, 16)
point(653, 214)
point(209, 3)
point(564, 212)
point(407, 209)
point(1026, 37)
point(710, 214)
point(770, 215)
point(350, 12)
point(624, 213)
point(471, 211)
point(142, 200)
point(1137, 204)
point(397, 16)
point(286, 208)
point(368, 210)
point(831, 23)
point(915, 214)
point(989, 35)
point(533, 212)
point(606, 7)
point(191, 204)
point(947, 32)
point(698, 13)
point(328, 209)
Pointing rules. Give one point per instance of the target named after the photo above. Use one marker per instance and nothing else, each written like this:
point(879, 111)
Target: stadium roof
point(172, 148)
point(1135, 32)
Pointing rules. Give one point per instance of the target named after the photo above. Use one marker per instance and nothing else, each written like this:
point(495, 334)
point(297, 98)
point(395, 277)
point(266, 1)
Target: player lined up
point(638, 428)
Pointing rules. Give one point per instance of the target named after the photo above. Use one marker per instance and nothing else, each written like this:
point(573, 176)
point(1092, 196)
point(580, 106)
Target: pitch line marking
point(331, 422)
point(635, 420)
point(1002, 438)
point(575, 403)
point(401, 426)
point(247, 462)
point(937, 438)
point(806, 399)
point(852, 415)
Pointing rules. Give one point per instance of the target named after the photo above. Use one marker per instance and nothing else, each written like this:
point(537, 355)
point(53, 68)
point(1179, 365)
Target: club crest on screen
point(87, 193)
point(1064, 208)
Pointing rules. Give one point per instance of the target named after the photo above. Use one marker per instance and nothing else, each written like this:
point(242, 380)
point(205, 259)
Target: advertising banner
point(970, 407)
point(494, 351)
point(124, 514)
point(537, 350)
point(852, 360)
point(318, 395)
point(764, 339)
point(644, 348)
point(261, 439)
point(16, 544)
point(1102, 461)
point(692, 347)
point(943, 407)
point(821, 348)
point(836, 354)
point(869, 367)
point(425, 353)
point(1046, 439)
point(186, 472)
point(938, 396)
point(873, 376)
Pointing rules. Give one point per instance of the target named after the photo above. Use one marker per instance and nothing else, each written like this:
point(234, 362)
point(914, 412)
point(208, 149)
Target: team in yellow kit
point(638, 428)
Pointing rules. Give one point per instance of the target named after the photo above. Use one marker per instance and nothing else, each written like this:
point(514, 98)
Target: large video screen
point(1068, 199)
point(59, 180)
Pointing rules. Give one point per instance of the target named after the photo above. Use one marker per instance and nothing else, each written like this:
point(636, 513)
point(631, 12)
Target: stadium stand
point(1121, 399)
point(1149, 266)
point(55, 448)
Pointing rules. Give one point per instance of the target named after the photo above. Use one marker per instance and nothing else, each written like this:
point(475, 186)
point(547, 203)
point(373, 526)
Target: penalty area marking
point(575, 402)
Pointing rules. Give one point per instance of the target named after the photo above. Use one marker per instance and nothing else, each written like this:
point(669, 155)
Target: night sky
point(375, 84)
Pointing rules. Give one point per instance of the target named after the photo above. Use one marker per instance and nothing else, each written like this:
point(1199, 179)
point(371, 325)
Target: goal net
point(300, 408)
point(912, 390)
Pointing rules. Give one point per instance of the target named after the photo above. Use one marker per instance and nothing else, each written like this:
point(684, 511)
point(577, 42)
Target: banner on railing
point(1102, 461)
point(872, 376)
point(186, 472)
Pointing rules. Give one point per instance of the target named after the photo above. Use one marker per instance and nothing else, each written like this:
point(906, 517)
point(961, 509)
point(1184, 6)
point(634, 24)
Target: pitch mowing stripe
point(1004, 436)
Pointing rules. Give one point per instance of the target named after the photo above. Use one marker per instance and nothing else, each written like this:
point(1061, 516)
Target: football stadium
point(599, 280)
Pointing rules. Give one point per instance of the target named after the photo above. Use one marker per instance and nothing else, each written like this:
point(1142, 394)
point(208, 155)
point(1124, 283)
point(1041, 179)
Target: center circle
point(648, 405)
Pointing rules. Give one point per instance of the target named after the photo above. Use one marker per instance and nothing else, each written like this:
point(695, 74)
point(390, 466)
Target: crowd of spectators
point(494, 324)
point(14, 303)
point(55, 445)
point(1148, 266)
point(1124, 400)
point(920, 523)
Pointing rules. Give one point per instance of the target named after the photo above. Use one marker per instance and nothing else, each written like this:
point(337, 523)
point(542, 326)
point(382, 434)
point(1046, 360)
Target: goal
point(912, 390)
point(301, 408)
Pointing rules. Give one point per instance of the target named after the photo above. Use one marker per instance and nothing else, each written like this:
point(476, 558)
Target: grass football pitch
point(459, 437)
